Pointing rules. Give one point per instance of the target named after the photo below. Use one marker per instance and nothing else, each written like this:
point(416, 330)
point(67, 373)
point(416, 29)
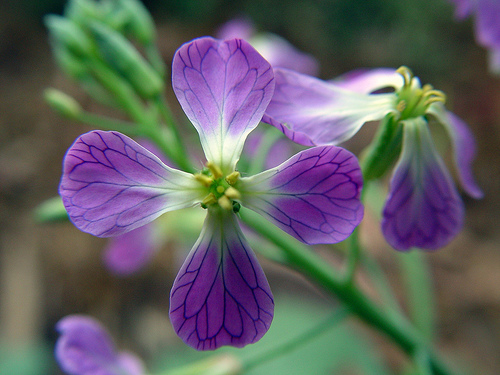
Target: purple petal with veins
point(310, 111)
point(464, 148)
point(423, 208)
point(314, 196)
point(131, 251)
point(221, 295)
point(224, 88)
point(84, 347)
point(111, 185)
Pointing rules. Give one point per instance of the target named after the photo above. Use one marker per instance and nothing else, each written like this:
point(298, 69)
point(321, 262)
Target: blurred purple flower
point(487, 25)
point(275, 49)
point(112, 185)
point(131, 251)
point(423, 208)
point(85, 348)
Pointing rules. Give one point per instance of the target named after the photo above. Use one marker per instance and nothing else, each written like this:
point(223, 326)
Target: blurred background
point(49, 271)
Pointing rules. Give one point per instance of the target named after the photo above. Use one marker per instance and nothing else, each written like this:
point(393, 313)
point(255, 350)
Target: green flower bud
point(140, 25)
point(51, 210)
point(69, 35)
point(120, 54)
point(80, 11)
point(63, 103)
point(69, 62)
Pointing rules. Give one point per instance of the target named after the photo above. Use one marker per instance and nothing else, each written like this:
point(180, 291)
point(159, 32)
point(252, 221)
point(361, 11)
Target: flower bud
point(80, 11)
point(140, 25)
point(69, 63)
point(63, 103)
point(69, 35)
point(120, 54)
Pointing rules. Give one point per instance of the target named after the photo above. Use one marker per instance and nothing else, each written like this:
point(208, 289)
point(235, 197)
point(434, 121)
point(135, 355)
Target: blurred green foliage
point(342, 34)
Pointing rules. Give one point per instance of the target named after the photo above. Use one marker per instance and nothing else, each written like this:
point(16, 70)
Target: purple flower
point(487, 25)
point(112, 185)
point(131, 251)
point(423, 208)
point(85, 348)
point(276, 50)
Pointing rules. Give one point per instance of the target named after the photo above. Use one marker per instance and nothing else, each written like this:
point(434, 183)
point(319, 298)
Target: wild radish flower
point(85, 347)
point(423, 208)
point(487, 25)
point(112, 185)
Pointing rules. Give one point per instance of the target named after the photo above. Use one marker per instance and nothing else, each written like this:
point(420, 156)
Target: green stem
point(268, 139)
point(290, 345)
point(415, 273)
point(353, 257)
point(177, 146)
point(314, 267)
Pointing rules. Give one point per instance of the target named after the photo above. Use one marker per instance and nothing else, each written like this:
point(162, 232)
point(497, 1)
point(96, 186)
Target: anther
point(204, 179)
point(233, 177)
point(214, 169)
point(208, 200)
point(232, 193)
point(225, 203)
point(401, 105)
point(407, 75)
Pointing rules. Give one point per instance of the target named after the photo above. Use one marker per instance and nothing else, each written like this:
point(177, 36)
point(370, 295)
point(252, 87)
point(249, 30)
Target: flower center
point(414, 100)
point(220, 189)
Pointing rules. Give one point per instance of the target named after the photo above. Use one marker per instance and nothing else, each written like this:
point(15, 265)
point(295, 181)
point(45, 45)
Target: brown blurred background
point(48, 271)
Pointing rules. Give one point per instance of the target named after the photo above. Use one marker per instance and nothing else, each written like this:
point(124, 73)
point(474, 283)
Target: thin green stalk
point(415, 273)
point(289, 345)
point(353, 257)
point(177, 145)
point(314, 267)
point(269, 138)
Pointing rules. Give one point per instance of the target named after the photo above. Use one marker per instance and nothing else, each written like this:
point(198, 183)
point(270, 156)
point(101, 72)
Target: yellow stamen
point(401, 105)
point(232, 193)
point(214, 169)
point(407, 75)
point(209, 199)
point(204, 179)
point(225, 203)
point(233, 177)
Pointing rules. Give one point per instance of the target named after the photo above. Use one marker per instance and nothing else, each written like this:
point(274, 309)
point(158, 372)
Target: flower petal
point(368, 81)
point(131, 251)
point(423, 208)
point(221, 295)
point(85, 347)
point(314, 196)
point(464, 148)
point(487, 29)
point(314, 112)
point(111, 185)
point(463, 8)
point(224, 87)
